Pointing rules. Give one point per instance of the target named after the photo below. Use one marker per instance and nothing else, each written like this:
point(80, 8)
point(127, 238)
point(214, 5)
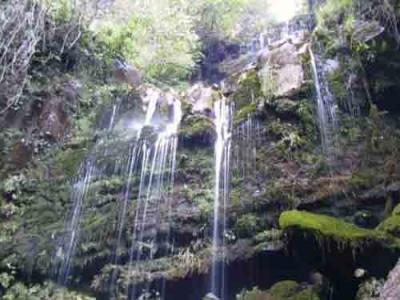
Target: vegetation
point(61, 85)
point(288, 290)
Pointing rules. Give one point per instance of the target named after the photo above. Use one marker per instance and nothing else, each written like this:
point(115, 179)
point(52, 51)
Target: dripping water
point(326, 107)
point(89, 169)
point(222, 148)
point(246, 140)
point(157, 174)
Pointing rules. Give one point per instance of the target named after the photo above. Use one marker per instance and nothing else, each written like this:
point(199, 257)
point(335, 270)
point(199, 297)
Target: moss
point(67, 161)
point(244, 112)
point(196, 128)
point(247, 225)
point(363, 179)
point(249, 89)
point(396, 210)
point(392, 224)
point(284, 290)
point(307, 118)
point(334, 228)
point(336, 83)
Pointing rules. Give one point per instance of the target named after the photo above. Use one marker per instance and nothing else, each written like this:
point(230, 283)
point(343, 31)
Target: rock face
point(346, 247)
point(281, 70)
point(201, 98)
point(53, 120)
point(391, 288)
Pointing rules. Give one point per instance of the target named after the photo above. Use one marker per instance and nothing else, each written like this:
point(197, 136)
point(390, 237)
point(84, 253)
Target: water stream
point(326, 107)
point(157, 174)
point(222, 151)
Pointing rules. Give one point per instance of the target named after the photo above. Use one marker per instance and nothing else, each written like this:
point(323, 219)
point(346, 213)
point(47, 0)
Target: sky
point(284, 10)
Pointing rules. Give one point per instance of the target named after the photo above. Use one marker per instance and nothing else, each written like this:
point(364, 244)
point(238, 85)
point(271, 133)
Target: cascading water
point(154, 160)
point(88, 170)
point(66, 249)
point(156, 177)
point(245, 146)
point(222, 148)
point(326, 106)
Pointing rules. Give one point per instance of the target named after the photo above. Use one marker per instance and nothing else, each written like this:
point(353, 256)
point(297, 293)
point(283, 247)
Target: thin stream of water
point(222, 151)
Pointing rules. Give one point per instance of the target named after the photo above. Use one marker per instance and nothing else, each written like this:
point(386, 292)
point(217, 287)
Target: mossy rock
point(197, 130)
point(249, 89)
point(326, 226)
point(290, 290)
point(285, 107)
point(284, 290)
point(243, 113)
point(392, 224)
point(337, 248)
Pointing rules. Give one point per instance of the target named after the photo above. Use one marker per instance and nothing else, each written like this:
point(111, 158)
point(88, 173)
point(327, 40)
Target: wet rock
point(360, 273)
point(281, 71)
point(127, 73)
point(21, 154)
point(283, 290)
point(365, 31)
point(369, 290)
point(365, 219)
point(202, 99)
point(391, 225)
point(391, 288)
point(53, 120)
point(345, 247)
point(211, 296)
point(71, 90)
point(197, 130)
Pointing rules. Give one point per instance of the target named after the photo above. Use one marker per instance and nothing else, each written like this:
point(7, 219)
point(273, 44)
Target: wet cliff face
point(300, 225)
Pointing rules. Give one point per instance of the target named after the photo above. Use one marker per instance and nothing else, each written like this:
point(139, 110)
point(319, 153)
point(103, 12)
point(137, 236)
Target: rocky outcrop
point(337, 248)
point(281, 69)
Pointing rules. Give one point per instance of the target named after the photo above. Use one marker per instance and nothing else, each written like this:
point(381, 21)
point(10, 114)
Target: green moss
point(194, 126)
point(392, 224)
point(336, 81)
point(307, 118)
point(246, 225)
point(396, 210)
point(334, 228)
point(67, 161)
point(244, 112)
point(249, 89)
point(284, 290)
point(363, 179)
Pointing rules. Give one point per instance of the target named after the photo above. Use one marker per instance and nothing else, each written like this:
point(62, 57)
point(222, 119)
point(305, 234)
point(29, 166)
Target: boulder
point(281, 71)
point(202, 99)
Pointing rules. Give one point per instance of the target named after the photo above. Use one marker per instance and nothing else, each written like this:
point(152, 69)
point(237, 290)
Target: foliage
point(31, 28)
point(349, 13)
point(391, 225)
point(48, 290)
point(162, 44)
point(218, 17)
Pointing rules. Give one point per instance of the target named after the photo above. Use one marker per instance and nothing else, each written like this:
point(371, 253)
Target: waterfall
point(326, 106)
point(222, 149)
point(152, 161)
point(67, 248)
point(246, 136)
point(157, 174)
point(88, 170)
point(151, 98)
